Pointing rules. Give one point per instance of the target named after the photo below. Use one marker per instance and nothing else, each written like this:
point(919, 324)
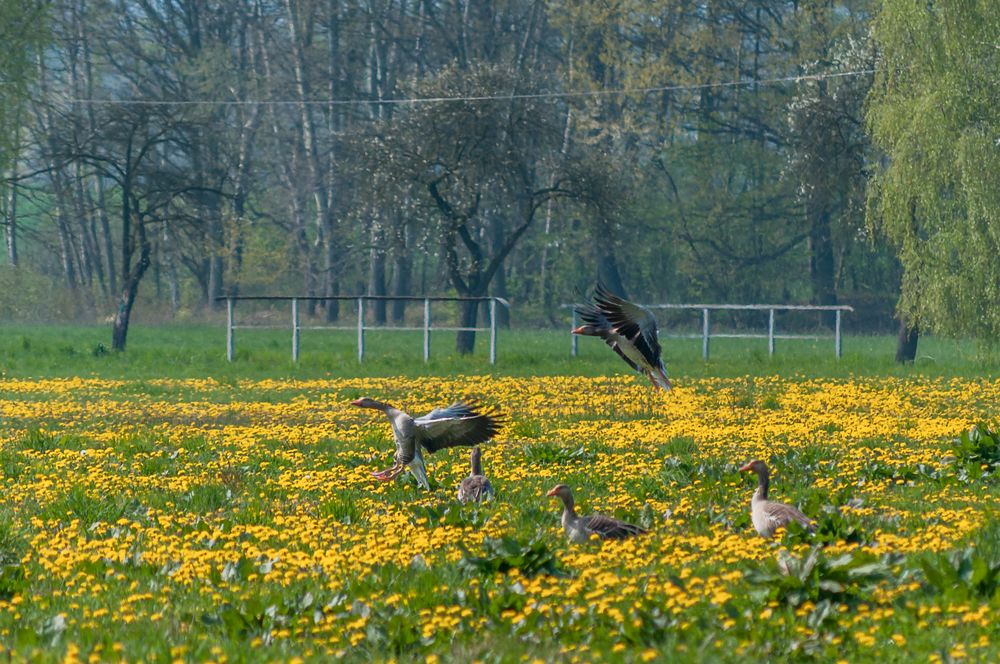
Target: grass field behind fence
point(183, 351)
point(166, 505)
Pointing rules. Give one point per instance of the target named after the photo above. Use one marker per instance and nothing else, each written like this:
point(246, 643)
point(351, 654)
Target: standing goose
point(630, 330)
point(475, 488)
point(768, 516)
point(580, 528)
point(458, 424)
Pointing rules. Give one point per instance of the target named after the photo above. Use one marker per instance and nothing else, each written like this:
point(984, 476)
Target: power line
point(437, 100)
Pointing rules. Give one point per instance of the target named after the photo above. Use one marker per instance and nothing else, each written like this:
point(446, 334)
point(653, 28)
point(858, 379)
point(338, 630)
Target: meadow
point(165, 505)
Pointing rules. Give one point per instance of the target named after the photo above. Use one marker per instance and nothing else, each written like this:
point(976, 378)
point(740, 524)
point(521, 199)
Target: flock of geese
point(630, 330)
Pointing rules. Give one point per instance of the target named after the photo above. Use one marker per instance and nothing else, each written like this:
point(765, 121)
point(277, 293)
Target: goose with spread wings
point(630, 330)
point(458, 424)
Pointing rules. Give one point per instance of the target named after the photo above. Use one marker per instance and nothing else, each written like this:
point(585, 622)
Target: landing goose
point(458, 424)
point(630, 330)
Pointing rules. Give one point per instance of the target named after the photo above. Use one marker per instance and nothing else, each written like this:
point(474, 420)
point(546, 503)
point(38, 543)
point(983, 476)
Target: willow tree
point(934, 113)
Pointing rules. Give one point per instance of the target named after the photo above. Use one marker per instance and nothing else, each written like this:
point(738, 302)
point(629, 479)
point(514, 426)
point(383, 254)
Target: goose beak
point(583, 329)
point(357, 402)
point(746, 468)
point(552, 492)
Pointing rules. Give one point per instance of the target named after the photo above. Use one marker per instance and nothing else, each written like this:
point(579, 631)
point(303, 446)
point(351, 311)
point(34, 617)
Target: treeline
point(187, 149)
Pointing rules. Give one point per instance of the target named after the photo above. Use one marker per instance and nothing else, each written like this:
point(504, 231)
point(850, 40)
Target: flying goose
point(630, 330)
point(580, 528)
point(768, 516)
point(458, 424)
point(475, 488)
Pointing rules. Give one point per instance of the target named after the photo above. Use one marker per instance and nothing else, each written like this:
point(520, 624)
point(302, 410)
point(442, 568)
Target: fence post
point(770, 332)
point(230, 341)
point(427, 329)
point(493, 331)
point(295, 329)
point(837, 343)
point(361, 329)
point(704, 333)
point(574, 340)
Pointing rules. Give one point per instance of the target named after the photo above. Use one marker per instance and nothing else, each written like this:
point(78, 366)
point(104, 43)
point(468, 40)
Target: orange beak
point(356, 402)
point(580, 330)
point(552, 492)
point(746, 467)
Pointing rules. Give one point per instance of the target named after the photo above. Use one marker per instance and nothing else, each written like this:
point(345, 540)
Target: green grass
point(197, 351)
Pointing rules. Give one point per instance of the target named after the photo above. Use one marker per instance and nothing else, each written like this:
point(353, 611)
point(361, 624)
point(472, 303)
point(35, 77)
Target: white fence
point(706, 325)
point(295, 327)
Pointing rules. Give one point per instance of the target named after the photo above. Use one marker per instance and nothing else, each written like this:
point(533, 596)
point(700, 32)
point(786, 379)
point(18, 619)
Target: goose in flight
point(458, 424)
point(630, 330)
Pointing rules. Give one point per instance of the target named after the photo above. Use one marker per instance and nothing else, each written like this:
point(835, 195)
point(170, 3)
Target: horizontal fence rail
point(706, 325)
point(360, 325)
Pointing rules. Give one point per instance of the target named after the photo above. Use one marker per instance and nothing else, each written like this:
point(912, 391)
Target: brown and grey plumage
point(580, 528)
point(767, 516)
point(458, 424)
point(475, 488)
point(630, 330)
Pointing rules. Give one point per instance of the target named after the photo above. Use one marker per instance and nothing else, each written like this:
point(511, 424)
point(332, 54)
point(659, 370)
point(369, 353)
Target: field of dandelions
point(195, 520)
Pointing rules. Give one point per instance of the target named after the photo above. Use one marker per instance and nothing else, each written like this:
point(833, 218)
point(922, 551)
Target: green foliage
point(503, 554)
point(963, 575)
point(847, 578)
point(933, 112)
point(977, 447)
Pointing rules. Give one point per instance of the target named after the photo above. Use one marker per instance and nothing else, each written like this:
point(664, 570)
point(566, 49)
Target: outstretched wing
point(635, 323)
point(611, 528)
point(458, 424)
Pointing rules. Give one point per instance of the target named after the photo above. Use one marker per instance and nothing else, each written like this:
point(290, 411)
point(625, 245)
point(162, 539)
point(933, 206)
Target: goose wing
point(458, 424)
point(474, 489)
point(779, 514)
point(594, 317)
point(611, 528)
point(631, 321)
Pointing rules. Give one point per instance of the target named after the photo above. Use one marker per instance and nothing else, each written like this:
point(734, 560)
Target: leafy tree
point(483, 167)
point(934, 112)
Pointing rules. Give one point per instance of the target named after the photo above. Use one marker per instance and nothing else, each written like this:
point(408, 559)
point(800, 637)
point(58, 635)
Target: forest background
point(168, 153)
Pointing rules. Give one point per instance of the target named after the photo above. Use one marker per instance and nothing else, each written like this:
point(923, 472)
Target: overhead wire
point(470, 98)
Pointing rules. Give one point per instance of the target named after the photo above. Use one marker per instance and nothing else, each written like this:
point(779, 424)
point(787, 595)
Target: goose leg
point(388, 474)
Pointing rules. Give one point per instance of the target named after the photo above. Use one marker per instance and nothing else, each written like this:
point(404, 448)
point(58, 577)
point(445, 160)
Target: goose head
point(563, 493)
point(368, 402)
point(755, 466)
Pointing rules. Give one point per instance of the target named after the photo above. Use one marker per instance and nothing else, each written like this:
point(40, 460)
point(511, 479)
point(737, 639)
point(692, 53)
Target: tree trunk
point(119, 329)
point(402, 268)
point(499, 288)
point(465, 341)
point(821, 264)
point(607, 263)
point(376, 273)
point(906, 342)
point(12, 216)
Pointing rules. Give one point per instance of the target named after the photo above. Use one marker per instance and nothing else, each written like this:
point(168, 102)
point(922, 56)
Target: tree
point(482, 168)
point(23, 26)
point(936, 195)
